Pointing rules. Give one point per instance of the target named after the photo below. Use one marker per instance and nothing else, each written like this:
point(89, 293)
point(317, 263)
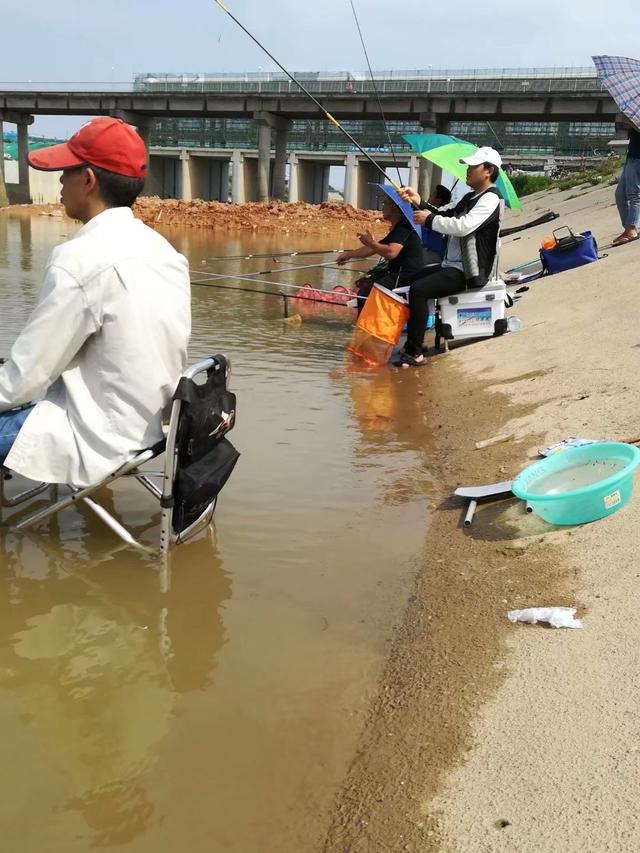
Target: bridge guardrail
point(507, 82)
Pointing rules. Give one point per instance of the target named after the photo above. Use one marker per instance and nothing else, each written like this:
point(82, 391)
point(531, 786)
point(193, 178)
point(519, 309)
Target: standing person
point(628, 191)
point(106, 343)
point(401, 248)
point(473, 229)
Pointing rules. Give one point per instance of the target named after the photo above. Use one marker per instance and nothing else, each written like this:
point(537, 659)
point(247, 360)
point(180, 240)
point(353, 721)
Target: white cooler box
point(475, 313)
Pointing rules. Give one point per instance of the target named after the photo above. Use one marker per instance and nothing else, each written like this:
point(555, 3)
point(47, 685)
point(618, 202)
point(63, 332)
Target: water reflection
point(25, 242)
point(145, 722)
point(93, 661)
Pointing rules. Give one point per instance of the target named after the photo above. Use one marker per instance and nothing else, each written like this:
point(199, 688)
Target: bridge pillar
point(237, 177)
point(358, 178)
point(185, 175)
point(413, 170)
point(351, 180)
point(280, 163)
point(367, 195)
point(141, 121)
point(429, 175)
point(208, 178)
point(19, 193)
point(266, 123)
point(23, 163)
point(264, 160)
point(244, 178)
point(293, 178)
point(165, 176)
point(313, 181)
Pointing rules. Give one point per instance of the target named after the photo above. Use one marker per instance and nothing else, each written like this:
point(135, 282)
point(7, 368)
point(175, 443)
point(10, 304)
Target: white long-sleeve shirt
point(104, 347)
point(455, 227)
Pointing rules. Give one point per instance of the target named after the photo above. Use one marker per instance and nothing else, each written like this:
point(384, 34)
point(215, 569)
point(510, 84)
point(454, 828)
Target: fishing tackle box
point(475, 313)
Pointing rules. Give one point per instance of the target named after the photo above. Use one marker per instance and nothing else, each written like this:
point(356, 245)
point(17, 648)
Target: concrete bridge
point(207, 173)
point(215, 174)
point(432, 98)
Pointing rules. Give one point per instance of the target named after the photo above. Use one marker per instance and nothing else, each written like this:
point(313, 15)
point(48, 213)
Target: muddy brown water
point(223, 714)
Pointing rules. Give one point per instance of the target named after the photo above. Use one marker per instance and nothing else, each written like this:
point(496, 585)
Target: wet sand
point(487, 736)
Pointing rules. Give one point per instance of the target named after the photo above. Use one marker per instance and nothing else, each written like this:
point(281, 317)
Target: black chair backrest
point(205, 457)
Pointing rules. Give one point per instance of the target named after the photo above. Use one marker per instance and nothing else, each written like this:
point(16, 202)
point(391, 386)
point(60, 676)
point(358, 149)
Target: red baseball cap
point(108, 143)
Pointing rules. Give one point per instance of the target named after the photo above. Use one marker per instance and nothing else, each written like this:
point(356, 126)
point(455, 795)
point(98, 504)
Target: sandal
point(407, 360)
point(622, 241)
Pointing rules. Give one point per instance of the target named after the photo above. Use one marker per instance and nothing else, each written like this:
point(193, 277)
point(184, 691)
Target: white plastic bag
point(557, 617)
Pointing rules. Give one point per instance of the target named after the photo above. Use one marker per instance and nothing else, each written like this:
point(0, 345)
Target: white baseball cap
point(483, 155)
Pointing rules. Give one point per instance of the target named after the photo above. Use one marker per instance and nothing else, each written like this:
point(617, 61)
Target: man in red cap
point(105, 345)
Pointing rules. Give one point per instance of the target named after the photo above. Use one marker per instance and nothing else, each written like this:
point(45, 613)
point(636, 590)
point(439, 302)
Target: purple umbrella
point(621, 77)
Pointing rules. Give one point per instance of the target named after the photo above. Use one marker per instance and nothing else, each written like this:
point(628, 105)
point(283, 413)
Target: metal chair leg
point(114, 525)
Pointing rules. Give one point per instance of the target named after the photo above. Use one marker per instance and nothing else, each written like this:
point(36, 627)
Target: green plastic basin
point(580, 484)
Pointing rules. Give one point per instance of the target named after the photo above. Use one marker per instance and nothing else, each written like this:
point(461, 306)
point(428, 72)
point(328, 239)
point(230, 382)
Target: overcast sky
point(76, 40)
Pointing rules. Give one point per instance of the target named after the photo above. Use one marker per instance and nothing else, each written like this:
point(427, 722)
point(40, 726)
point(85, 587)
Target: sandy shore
point(488, 736)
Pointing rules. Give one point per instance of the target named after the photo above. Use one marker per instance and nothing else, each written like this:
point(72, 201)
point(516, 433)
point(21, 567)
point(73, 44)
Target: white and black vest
point(478, 249)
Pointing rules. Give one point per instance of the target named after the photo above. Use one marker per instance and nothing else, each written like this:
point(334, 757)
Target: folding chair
point(170, 531)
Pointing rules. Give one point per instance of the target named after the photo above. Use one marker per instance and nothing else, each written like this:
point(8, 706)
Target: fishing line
point(375, 89)
point(303, 89)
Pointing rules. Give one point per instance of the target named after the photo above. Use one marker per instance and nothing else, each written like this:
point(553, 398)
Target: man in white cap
point(472, 228)
point(104, 347)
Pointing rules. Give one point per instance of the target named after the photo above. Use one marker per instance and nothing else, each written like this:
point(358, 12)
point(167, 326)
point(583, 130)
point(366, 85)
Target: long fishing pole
point(269, 293)
point(375, 89)
point(330, 266)
point(302, 88)
point(271, 255)
point(247, 277)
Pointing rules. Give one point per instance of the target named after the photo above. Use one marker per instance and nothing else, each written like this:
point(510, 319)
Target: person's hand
point(409, 195)
point(421, 216)
point(366, 238)
point(343, 257)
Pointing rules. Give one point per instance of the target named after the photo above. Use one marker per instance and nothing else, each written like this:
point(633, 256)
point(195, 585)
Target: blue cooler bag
point(570, 251)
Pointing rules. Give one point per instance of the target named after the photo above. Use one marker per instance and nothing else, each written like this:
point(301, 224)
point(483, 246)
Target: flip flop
point(625, 241)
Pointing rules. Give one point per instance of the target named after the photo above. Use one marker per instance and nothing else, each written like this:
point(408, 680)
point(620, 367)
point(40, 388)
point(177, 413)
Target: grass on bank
point(606, 171)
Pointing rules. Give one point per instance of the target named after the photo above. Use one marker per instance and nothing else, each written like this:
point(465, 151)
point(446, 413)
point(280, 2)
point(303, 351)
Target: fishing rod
point(330, 265)
point(271, 255)
point(247, 277)
point(375, 89)
point(303, 89)
point(284, 296)
point(270, 293)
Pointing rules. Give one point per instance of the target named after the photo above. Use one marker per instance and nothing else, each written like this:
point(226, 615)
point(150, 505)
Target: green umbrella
point(448, 156)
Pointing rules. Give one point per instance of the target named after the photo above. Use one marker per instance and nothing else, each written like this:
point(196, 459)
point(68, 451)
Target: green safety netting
point(11, 146)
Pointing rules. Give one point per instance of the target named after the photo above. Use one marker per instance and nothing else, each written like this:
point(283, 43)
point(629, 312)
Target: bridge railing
point(522, 81)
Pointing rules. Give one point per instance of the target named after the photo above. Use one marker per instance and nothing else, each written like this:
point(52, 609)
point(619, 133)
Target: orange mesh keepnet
point(379, 326)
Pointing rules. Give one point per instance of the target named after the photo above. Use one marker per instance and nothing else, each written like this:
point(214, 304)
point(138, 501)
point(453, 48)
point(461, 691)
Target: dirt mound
point(273, 215)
